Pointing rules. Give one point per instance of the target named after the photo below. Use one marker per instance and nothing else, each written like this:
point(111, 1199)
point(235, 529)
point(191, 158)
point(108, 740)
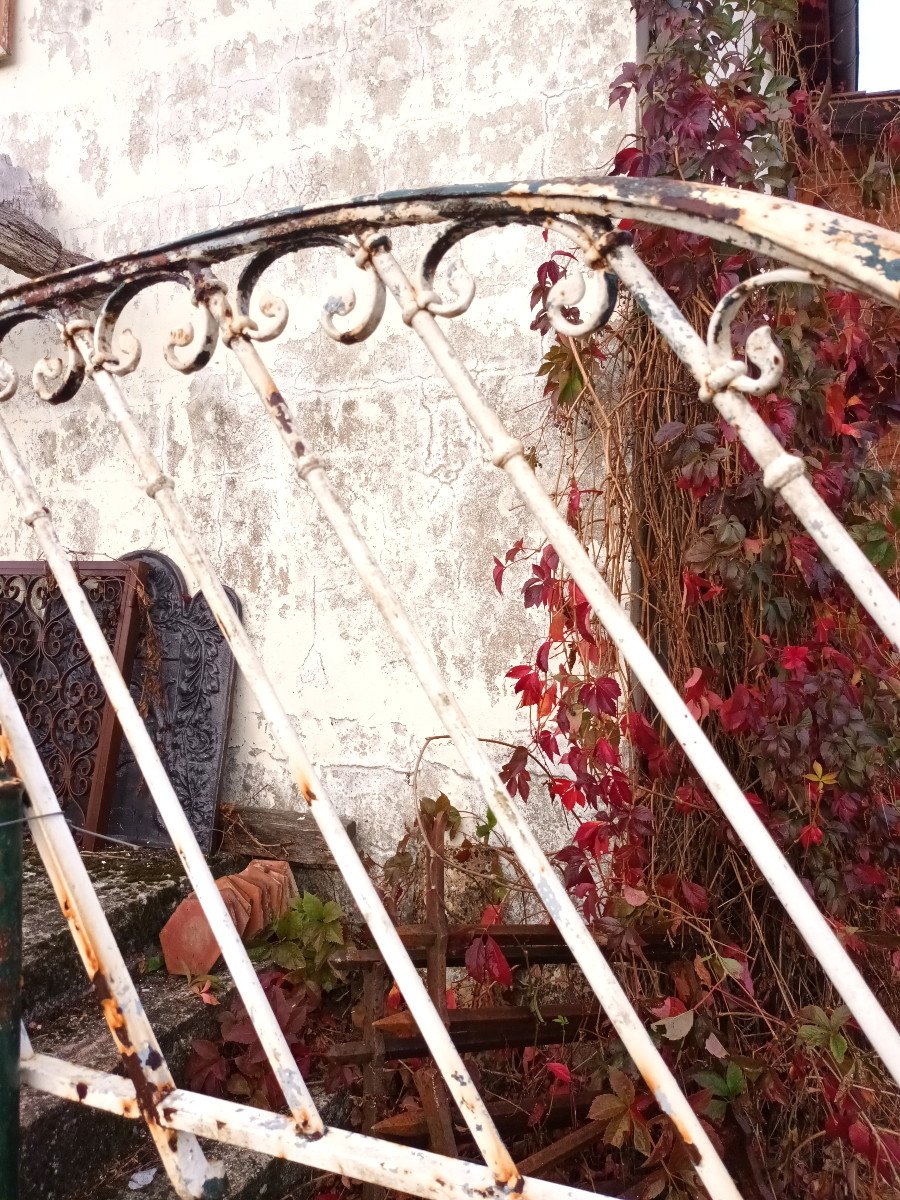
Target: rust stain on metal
point(147, 1093)
point(6, 757)
point(279, 408)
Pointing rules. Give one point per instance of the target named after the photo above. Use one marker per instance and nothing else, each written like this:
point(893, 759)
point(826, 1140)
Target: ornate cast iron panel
point(183, 682)
point(72, 722)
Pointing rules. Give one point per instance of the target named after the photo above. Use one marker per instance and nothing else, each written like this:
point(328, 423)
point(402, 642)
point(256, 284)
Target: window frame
point(829, 47)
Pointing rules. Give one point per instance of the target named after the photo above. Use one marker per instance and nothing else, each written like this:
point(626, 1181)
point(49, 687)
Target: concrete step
point(67, 1147)
point(248, 1176)
point(138, 892)
point(70, 1150)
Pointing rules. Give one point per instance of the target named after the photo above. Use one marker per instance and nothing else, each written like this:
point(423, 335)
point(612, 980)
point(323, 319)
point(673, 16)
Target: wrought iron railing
point(88, 301)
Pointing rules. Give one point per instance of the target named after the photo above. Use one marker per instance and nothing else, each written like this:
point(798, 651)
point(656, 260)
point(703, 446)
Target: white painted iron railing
point(820, 248)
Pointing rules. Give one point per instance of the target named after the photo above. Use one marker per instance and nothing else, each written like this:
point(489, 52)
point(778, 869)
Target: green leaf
point(312, 907)
point(618, 1130)
point(815, 1035)
point(837, 1044)
point(237, 1085)
point(570, 389)
point(487, 827)
point(290, 925)
point(815, 1016)
point(731, 967)
point(840, 1016)
point(289, 956)
point(734, 1080)
point(643, 1143)
point(710, 1079)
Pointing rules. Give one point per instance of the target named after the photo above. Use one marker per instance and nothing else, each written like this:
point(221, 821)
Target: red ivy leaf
point(698, 590)
point(514, 550)
point(560, 1071)
point(528, 685)
point(810, 835)
point(568, 793)
point(794, 658)
point(695, 896)
point(498, 574)
point(737, 713)
point(600, 696)
point(486, 962)
point(542, 660)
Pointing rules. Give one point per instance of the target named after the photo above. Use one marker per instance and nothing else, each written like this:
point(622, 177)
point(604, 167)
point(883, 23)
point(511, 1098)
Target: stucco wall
point(142, 121)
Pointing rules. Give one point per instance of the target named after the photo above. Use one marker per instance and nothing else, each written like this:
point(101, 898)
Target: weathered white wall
point(139, 122)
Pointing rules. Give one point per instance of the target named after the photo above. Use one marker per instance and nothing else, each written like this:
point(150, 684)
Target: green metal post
point(10, 980)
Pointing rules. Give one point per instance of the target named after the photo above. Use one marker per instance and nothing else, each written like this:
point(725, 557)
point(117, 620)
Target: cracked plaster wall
point(140, 122)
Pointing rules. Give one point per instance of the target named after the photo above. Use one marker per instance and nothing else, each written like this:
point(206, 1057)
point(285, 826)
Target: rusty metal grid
point(87, 302)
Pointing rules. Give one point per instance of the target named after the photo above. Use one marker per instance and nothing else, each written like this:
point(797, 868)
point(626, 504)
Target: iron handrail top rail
point(850, 252)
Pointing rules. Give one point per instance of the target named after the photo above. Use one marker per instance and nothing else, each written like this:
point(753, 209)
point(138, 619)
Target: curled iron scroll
point(55, 378)
point(762, 351)
point(118, 351)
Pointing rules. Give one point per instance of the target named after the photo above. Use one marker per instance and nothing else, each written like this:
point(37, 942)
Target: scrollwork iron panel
point(55, 682)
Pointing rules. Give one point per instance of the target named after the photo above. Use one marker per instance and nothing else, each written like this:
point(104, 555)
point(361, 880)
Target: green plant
point(303, 941)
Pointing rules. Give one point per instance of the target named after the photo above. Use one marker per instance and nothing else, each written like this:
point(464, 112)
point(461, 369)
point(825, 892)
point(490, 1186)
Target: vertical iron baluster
point(448, 1059)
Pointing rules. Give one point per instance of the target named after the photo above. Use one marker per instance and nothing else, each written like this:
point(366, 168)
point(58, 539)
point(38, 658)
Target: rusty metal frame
point(819, 248)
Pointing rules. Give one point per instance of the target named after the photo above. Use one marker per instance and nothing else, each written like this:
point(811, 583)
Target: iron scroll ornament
point(849, 252)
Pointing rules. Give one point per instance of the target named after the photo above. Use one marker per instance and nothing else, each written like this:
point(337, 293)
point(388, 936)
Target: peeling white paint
point(138, 123)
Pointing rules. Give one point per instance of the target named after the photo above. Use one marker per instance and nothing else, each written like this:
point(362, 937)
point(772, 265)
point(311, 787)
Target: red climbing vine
point(793, 683)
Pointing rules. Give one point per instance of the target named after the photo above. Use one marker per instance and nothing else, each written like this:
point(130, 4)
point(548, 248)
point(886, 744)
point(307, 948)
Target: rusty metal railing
point(819, 247)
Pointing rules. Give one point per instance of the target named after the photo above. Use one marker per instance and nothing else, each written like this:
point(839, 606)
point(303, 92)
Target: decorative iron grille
point(68, 715)
point(820, 247)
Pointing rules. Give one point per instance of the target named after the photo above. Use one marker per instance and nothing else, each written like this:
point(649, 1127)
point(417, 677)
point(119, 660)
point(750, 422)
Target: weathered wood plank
point(564, 1148)
point(27, 247)
point(6, 16)
point(510, 1119)
point(436, 1107)
point(276, 833)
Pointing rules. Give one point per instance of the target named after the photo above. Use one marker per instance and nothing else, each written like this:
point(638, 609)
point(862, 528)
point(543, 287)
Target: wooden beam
point(5, 28)
point(287, 833)
point(510, 1119)
point(436, 1107)
point(564, 1148)
point(28, 248)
